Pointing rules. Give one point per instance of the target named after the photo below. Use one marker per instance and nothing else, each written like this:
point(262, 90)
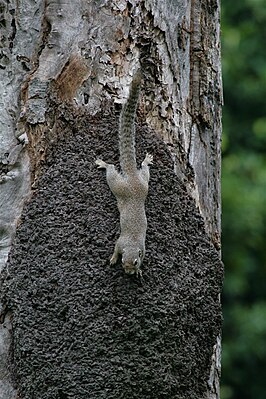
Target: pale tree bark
point(71, 326)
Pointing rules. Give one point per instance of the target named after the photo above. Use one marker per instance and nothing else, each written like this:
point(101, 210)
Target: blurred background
point(244, 199)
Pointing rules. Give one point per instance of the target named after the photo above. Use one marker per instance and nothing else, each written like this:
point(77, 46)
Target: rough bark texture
point(79, 328)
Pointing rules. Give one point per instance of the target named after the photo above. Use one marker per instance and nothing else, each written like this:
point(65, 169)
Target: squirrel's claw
point(113, 260)
point(100, 164)
point(148, 159)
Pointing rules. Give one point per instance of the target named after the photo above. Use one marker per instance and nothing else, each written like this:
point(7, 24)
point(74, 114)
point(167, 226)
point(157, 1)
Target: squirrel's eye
point(135, 262)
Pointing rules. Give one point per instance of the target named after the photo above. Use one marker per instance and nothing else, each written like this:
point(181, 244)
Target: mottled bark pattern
point(62, 66)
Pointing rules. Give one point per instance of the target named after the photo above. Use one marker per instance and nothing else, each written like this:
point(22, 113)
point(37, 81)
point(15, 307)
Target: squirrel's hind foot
point(148, 159)
point(101, 164)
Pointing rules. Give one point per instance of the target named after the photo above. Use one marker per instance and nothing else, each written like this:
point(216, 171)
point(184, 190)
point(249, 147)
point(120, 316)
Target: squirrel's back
point(127, 128)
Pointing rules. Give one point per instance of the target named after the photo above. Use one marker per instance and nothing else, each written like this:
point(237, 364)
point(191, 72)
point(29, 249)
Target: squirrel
point(130, 187)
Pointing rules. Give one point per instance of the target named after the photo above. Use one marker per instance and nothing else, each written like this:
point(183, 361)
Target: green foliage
point(244, 199)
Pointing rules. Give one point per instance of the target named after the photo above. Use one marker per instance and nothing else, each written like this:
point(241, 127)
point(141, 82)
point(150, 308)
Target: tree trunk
point(71, 326)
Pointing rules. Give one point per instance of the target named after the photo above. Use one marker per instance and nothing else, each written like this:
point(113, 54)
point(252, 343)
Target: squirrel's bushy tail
point(127, 127)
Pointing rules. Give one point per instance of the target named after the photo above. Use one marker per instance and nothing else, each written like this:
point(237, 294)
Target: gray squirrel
point(130, 187)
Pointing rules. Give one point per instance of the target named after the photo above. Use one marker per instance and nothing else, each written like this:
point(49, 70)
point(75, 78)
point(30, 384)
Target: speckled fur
point(130, 188)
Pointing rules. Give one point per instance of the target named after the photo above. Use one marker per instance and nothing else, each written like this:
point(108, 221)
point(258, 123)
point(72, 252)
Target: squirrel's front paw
point(113, 260)
point(148, 159)
point(100, 163)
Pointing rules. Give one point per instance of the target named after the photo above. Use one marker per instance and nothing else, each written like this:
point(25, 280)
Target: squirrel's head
point(132, 259)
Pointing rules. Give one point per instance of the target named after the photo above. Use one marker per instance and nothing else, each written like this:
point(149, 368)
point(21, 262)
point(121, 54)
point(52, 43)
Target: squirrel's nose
point(130, 271)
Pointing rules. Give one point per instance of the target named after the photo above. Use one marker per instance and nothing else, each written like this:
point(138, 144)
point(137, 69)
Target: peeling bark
point(64, 66)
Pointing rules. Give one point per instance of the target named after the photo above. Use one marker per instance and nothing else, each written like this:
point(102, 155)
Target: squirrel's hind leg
point(114, 178)
point(144, 171)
